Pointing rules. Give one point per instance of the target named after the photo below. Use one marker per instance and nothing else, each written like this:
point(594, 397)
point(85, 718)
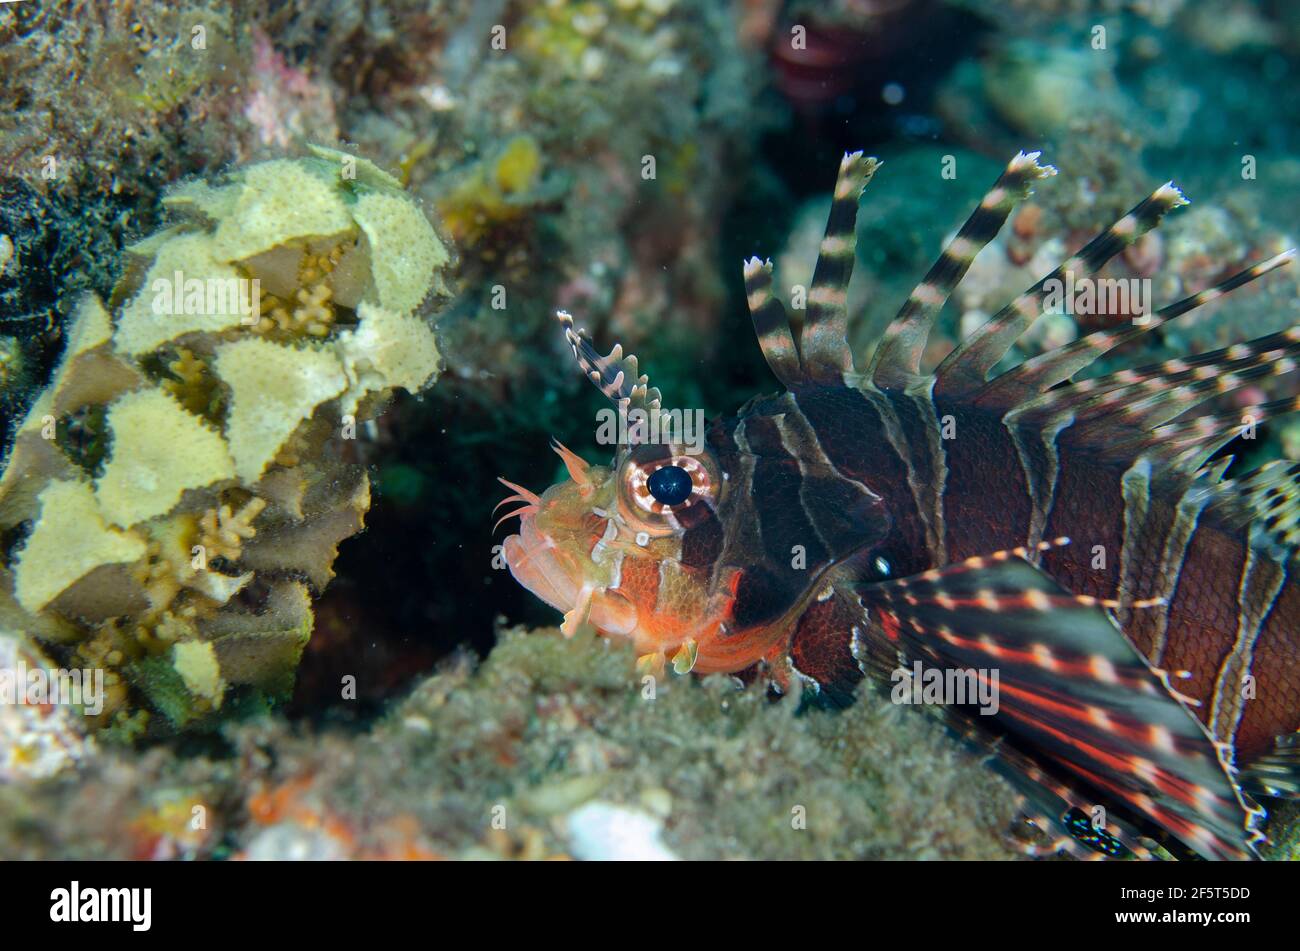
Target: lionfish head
point(631, 548)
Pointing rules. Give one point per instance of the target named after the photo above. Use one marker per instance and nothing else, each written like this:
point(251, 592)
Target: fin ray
point(771, 323)
point(897, 360)
point(823, 344)
point(966, 369)
point(1040, 373)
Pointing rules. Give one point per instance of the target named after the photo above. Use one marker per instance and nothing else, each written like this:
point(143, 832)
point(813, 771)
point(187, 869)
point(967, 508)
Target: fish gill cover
point(947, 397)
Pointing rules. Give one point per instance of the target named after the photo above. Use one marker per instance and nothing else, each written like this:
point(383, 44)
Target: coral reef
point(177, 494)
point(530, 755)
point(81, 80)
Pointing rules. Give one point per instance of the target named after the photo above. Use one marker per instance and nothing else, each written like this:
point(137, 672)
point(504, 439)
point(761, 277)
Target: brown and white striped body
point(1232, 617)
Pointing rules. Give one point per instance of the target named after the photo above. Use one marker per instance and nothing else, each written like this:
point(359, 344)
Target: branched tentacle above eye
point(616, 375)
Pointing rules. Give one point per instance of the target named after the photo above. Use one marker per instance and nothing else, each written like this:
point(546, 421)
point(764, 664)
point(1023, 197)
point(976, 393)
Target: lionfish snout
point(550, 555)
point(529, 552)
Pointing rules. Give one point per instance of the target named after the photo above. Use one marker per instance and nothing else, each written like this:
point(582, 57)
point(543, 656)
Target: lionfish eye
point(670, 485)
point(657, 487)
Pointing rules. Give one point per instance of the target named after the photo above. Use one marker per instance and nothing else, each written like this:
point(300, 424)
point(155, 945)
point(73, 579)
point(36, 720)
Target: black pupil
point(670, 485)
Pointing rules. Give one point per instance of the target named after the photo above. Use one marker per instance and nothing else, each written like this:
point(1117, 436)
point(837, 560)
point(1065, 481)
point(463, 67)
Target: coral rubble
point(528, 755)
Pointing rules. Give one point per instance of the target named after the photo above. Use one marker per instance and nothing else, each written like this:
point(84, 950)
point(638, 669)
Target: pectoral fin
point(1073, 696)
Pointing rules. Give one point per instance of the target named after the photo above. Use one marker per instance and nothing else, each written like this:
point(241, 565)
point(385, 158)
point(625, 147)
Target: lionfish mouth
point(531, 555)
point(538, 564)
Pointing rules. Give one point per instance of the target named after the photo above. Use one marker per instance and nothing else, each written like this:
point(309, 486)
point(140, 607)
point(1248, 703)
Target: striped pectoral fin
point(1066, 818)
point(965, 371)
point(897, 360)
point(1072, 693)
point(771, 323)
point(824, 341)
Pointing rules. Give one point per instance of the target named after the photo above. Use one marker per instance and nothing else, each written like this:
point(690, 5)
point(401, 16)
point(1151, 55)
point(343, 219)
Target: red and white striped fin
point(1069, 820)
point(1074, 690)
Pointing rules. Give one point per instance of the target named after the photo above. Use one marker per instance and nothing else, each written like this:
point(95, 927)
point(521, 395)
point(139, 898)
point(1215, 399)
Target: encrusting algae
point(518, 755)
point(175, 497)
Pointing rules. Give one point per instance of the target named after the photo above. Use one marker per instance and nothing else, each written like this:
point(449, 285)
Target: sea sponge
point(159, 451)
point(174, 499)
point(71, 538)
point(273, 389)
point(407, 256)
point(278, 203)
point(364, 170)
point(90, 373)
point(145, 325)
point(387, 349)
point(197, 664)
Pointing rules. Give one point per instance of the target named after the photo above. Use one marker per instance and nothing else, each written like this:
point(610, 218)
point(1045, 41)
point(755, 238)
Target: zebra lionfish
point(1161, 682)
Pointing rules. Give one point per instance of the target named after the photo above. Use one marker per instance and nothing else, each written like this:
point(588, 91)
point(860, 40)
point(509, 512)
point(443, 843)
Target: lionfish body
point(1078, 538)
